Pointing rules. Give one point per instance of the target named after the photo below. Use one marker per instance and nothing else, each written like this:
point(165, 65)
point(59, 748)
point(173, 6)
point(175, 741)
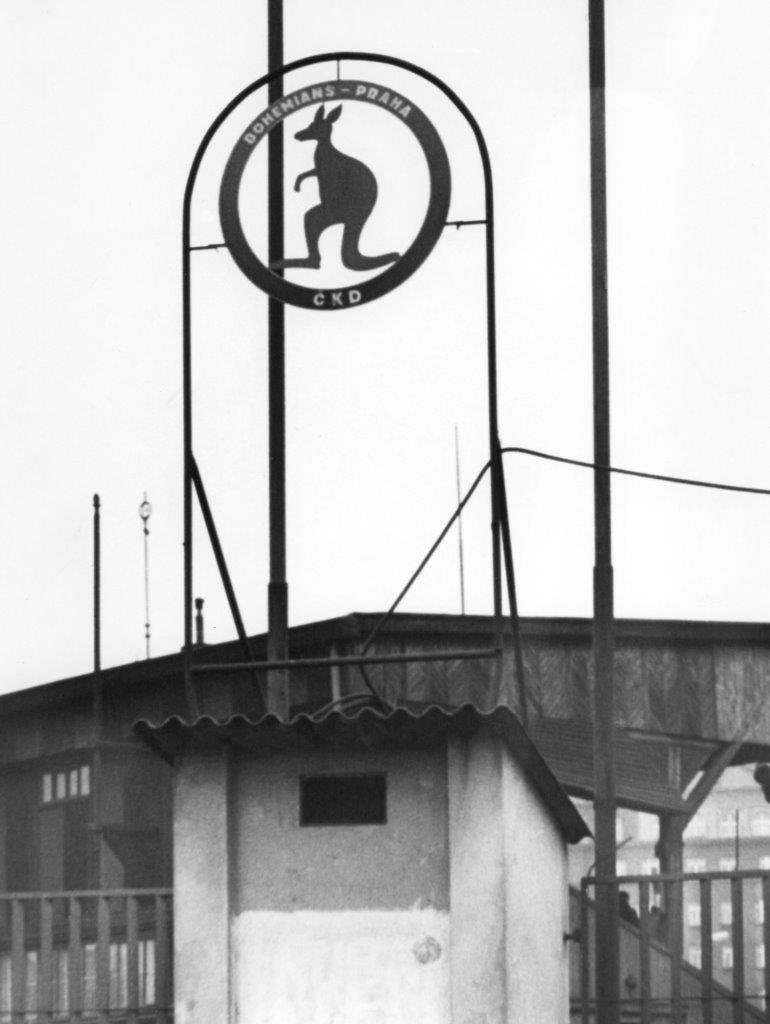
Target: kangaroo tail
point(355, 260)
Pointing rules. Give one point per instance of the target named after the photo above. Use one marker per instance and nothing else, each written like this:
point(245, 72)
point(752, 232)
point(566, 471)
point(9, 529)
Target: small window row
point(73, 784)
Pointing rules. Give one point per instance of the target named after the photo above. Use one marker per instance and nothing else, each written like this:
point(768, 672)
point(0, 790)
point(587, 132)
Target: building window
point(620, 867)
point(726, 912)
point(67, 785)
point(342, 800)
point(60, 979)
point(650, 867)
point(694, 956)
point(5, 987)
point(759, 956)
point(693, 914)
point(727, 864)
point(764, 863)
point(759, 914)
point(648, 827)
point(118, 975)
point(147, 972)
point(89, 977)
point(760, 824)
point(696, 827)
point(727, 956)
point(726, 825)
point(695, 865)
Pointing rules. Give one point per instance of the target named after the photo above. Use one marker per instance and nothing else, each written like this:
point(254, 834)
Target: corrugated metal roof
point(369, 727)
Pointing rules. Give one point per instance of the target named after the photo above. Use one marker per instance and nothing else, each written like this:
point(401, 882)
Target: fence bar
point(675, 943)
point(736, 893)
point(163, 959)
point(75, 962)
point(585, 954)
point(18, 964)
point(480, 654)
point(706, 951)
point(102, 959)
point(766, 940)
point(132, 958)
point(644, 950)
point(45, 1005)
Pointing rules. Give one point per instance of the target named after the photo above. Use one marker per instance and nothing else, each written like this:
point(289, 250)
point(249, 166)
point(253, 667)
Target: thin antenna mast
point(145, 511)
point(459, 523)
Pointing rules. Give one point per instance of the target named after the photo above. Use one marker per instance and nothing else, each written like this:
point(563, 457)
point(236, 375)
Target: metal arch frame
point(499, 525)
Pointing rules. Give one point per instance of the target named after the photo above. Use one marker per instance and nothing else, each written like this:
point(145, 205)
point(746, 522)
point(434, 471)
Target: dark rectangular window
point(342, 800)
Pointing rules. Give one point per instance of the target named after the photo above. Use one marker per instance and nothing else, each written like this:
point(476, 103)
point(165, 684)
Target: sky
point(102, 105)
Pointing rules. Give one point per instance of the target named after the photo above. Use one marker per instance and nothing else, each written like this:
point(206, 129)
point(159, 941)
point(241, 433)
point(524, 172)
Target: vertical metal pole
point(97, 591)
point(607, 929)
point(494, 439)
point(187, 456)
point(459, 523)
point(97, 704)
point(277, 590)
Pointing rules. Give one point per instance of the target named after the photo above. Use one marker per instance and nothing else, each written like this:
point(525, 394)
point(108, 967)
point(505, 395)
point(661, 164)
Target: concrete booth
point(367, 866)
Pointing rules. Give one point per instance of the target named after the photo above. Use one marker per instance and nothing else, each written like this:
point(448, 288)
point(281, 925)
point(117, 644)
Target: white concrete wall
point(537, 905)
point(508, 892)
point(343, 924)
point(451, 913)
point(345, 967)
point(201, 890)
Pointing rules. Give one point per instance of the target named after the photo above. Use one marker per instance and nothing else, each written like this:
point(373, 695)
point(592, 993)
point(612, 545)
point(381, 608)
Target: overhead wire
point(548, 457)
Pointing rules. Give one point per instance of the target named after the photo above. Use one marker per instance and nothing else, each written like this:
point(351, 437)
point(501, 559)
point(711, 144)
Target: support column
point(277, 590)
point(607, 924)
point(670, 852)
point(201, 890)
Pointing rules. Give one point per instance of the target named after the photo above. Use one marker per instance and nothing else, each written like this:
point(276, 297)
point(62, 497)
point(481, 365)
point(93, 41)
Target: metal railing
point(694, 948)
point(92, 956)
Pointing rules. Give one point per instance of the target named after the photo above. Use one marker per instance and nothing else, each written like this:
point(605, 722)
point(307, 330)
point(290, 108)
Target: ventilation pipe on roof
point(199, 621)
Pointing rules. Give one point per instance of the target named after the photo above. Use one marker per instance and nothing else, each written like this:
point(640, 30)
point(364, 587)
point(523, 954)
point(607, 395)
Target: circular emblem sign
point(348, 190)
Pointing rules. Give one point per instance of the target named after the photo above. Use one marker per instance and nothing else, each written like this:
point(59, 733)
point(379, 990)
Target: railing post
point(585, 953)
point(132, 959)
point(102, 959)
point(163, 959)
point(75, 962)
point(766, 940)
point(644, 950)
point(672, 889)
point(736, 893)
point(45, 1005)
point(706, 950)
point(18, 964)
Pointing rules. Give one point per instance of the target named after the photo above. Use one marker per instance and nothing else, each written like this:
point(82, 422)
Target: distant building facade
point(730, 832)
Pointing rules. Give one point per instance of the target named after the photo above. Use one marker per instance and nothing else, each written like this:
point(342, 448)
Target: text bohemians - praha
point(320, 94)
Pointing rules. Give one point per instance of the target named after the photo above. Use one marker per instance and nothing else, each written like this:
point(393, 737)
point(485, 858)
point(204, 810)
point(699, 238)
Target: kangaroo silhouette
point(348, 192)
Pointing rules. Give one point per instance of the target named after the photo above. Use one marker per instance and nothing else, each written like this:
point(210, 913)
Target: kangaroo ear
point(334, 114)
point(319, 115)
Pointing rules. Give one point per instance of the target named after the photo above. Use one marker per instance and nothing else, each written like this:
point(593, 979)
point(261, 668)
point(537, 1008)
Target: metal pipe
point(277, 589)
point(460, 552)
point(513, 607)
point(354, 659)
point(607, 924)
point(224, 572)
point(97, 694)
point(187, 455)
point(97, 588)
